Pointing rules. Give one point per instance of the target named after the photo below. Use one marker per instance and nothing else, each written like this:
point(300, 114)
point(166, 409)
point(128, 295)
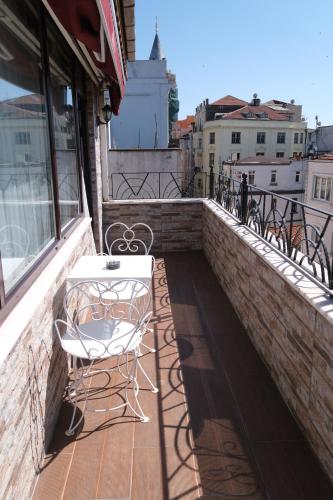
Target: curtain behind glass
point(61, 71)
point(26, 204)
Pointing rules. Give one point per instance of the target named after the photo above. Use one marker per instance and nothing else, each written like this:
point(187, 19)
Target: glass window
point(301, 138)
point(26, 201)
point(281, 137)
point(212, 138)
point(297, 176)
point(211, 159)
point(296, 138)
point(273, 176)
point(261, 136)
point(280, 154)
point(322, 188)
point(61, 64)
point(236, 137)
point(251, 176)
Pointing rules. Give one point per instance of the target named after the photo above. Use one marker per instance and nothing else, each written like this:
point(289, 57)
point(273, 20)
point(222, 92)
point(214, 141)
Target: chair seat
point(106, 338)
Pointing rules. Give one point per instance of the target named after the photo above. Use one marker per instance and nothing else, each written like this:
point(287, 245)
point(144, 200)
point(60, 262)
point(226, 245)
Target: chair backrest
point(135, 239)
point(88, 302)
point(14, 241)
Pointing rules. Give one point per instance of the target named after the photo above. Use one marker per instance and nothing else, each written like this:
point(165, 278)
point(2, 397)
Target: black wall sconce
point(107, 113)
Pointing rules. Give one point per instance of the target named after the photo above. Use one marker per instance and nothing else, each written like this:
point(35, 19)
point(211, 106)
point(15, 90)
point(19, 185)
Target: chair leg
point(136, 388)
point(73, 392)
point(154, 388)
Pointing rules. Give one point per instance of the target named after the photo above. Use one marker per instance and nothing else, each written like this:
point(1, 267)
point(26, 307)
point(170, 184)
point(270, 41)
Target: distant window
point(212, 138)
point(211, 159)
point(295, 154)
point(260, 154)
point(200, 143)
point(296, 138)
point(280, 154)
point(261, 136)
point(251, 176)
point(238, 156)
point(273, 177)
point(22, 138)
point(281, 137)
point(298, 176)
point(262, 115)
point(236, 138)
point(294, 206)
point(322, 188)
point(301, 138)
point(315, 233)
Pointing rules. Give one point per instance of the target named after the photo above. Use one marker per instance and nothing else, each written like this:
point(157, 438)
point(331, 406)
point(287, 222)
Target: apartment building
point(231, 129)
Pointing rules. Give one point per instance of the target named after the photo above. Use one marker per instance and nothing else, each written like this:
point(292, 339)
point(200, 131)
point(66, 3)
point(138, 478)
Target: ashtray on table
point(112, 264)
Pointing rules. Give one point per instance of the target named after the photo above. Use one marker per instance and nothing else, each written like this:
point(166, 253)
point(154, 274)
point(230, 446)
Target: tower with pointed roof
point(149, 103)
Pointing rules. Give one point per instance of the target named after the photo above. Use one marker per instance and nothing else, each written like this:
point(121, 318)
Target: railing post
point(244, 198)
point(211, 182)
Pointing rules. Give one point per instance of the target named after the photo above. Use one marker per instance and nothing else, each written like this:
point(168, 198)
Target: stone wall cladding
point(32, 382)
point(94, 145)
point(176, 224)
point(288, 318)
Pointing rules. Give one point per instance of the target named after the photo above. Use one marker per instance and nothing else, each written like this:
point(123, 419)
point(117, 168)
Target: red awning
point(93, 23)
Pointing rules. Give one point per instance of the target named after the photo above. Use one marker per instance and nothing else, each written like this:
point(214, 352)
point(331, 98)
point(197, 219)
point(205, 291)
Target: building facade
point(56, 60)
point(223, 133)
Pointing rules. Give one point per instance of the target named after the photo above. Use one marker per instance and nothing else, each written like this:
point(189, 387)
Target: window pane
point(316, 186)
point(328, 189)
point(26, 206)
point(61, 64)
point(323, 188)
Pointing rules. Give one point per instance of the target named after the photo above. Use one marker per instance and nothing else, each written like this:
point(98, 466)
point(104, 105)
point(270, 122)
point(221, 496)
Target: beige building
point(230, 130)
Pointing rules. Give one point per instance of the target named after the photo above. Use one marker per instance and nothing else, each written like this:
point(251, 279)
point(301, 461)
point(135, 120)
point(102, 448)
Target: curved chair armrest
point(57, 326)
point(153, 265)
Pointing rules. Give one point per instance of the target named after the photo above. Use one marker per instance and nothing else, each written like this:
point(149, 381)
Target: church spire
point(156, 51)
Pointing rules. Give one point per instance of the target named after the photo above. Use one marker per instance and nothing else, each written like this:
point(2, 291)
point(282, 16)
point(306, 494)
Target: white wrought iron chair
point(135, 239)
point(97, 329)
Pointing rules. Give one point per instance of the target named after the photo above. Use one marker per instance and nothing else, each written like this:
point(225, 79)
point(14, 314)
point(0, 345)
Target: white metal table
point(94, 268)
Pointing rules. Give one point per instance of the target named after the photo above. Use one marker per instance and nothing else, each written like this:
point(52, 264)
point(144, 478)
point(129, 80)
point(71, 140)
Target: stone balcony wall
point(288, 317)
point(34, 370)
point(176, 224)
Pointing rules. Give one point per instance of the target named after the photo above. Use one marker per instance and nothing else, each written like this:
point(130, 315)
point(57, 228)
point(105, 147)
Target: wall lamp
point(107, 113)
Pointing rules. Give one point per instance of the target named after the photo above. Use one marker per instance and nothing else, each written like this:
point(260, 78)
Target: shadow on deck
point(218, 427)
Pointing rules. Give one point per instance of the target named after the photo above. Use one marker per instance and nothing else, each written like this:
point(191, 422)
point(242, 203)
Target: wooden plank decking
point(218, 427)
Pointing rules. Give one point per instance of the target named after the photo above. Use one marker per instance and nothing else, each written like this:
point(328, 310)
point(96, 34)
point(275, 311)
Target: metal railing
point(150, 185)
point(284, 222)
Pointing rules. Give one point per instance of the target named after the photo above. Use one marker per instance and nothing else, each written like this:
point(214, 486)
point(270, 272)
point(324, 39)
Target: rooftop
point(252, 113)
point(229, 100)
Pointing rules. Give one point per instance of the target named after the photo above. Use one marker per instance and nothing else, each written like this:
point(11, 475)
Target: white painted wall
point(130, 168)
point(146, 99)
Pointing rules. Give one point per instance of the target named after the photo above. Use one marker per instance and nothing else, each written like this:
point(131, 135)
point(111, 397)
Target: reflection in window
point(26, 207)
point(61, 64)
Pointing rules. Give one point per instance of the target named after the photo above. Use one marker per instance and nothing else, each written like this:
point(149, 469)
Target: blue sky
point(281, 50)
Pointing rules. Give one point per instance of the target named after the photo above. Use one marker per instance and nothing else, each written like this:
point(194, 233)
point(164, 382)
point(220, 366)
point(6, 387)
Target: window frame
point(279, 154)
point(296, 135)
point(10, 299)
point(263, 135)
point(251, 176)
point(235, 138)
point(273, 182)
point(211, 137)
point(298, 176)
point(280, 136)
point(328, 188)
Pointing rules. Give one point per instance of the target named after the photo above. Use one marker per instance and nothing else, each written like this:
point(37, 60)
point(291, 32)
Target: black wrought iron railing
point(151, 185)
point(300, 231)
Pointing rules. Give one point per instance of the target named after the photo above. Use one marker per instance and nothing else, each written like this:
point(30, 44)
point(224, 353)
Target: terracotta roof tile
point(240, 114)
point(229, 100)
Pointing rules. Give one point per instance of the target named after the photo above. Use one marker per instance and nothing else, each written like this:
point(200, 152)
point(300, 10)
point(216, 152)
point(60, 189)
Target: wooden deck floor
point(218, 427)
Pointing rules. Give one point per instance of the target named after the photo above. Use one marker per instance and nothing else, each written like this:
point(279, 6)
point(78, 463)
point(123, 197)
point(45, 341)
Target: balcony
point(242, 364)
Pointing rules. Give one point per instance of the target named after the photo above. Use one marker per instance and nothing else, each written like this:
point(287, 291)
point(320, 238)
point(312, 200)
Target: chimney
point(255, 100)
